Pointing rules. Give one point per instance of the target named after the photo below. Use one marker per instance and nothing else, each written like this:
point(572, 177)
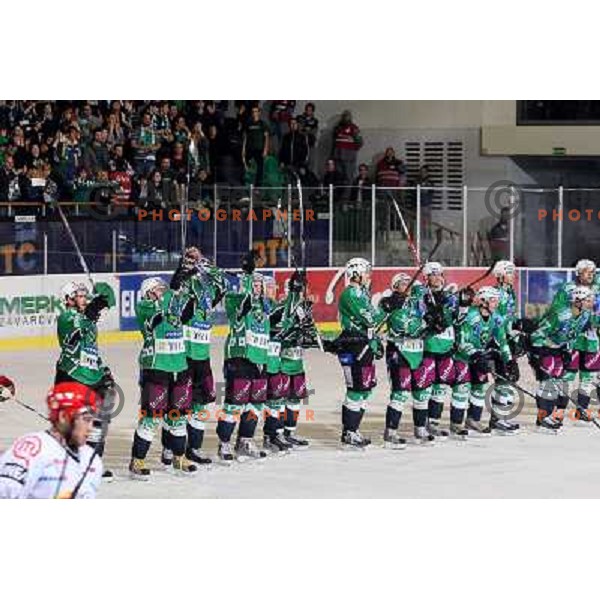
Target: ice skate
point(195, 456)
point(433, 427)
point(225, 453)
point(138, 469)
point(503, 426)
point(107, 476)
point(547, 425)
point(477, 427)
point(458, 431)
point(246, 447)
point(422, 436)
point(392, 440)
point(183, 465)
point(276, 443)
point(354, 440)
point(294, 439)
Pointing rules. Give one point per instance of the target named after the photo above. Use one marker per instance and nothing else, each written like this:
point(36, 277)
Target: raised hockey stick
point(50, 194)
point(411, 245)
point(480, 278)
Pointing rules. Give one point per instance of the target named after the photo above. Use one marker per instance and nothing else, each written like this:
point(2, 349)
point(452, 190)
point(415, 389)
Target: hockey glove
point(466, 296)
point(249, 261)
point(297, 282)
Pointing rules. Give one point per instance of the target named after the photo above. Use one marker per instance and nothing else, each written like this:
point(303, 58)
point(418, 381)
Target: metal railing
point(536, 227)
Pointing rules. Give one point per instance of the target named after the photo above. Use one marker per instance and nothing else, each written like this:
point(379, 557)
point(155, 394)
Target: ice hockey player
point(551, 347)
point(438, 364)
point(300, 334)
point(404, 357)
point(480, 337)
point(165, 379)
point(585, 355)
point(206, 287)
point(502, 395)
point(357, 347)
point(56, 463)
point(277, 383)
point(80, 360)
point(246, 351)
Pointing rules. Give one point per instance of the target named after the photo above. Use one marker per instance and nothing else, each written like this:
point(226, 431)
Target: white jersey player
point(56, 463)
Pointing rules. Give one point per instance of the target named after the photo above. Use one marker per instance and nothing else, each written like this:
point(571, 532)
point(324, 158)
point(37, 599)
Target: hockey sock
point(475, 412)
point(195, 431)
point(350, 419)
point(392, 418)
point(545, 407)
point(420, 417)
point(165, 438)
point(225, 430)
point(143, 436)
point(436, 403)
point(248, 423)
point(457, 415)
point(291, 417)
point(140, 447)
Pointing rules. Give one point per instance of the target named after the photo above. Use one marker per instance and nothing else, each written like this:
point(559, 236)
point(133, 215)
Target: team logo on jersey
point(27, 448)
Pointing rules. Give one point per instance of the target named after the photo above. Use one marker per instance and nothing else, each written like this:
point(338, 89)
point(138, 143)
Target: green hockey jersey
point(477, 333)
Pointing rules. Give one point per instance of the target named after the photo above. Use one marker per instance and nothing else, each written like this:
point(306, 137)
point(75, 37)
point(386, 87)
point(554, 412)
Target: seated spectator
point(145, 144)
point(210, 117)
point(332, 176)
point(154, 194)
point(200, 190)
point(390, 170)
point(294, 148)
point(88, 123)
point(347, 141)
point(115, 131)
point(121, 173)
point(179, 162)
point(181, 132)
point(361, 186)
point(256, 144)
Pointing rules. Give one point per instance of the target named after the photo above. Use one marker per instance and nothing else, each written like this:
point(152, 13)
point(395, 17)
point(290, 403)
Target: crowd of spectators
point(144, 151)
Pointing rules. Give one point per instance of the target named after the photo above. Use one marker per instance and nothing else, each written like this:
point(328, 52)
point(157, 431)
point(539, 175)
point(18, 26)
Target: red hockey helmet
point(7, 388)
point(71, 399)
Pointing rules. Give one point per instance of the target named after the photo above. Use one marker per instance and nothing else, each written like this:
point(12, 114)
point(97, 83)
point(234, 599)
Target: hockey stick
point(33, 410)
point(480, 278)
point(411, 245)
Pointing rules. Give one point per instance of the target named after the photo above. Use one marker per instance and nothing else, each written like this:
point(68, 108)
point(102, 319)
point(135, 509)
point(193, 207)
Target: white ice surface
point(523, 466)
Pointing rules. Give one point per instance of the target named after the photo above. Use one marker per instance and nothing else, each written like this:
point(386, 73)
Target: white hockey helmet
point(433, 268)
point(581, 293)
point(584, 264)
point(400, 279)
point(150, 284)
point(70, 290)
point(356, 268)
point(487, 293)
point(503, 268)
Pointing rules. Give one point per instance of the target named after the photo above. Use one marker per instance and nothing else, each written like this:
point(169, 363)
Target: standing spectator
point(209, 116)
point(499, 236)
point(309, 124)
point(13, 184)
point(280, 113)
point(198, 150)
point(181, 132)
point(294, 149)
point(390, 170)
point(179, 162)
point(88, 123)
point(347, 141)
point(69, 153)
point(145, 145)
point(361, 186)
point(97, 154)
point(256, 144)
point(121, 172)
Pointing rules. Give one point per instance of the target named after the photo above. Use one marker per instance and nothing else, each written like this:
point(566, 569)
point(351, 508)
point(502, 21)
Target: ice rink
point(526, 465)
